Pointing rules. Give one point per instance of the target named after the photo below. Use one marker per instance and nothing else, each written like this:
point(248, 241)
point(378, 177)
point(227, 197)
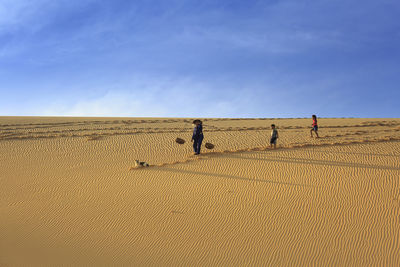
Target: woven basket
point(180, 141)
point(209, 146)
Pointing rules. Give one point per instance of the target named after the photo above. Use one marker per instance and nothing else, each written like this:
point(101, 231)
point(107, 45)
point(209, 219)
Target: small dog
point(139, 164)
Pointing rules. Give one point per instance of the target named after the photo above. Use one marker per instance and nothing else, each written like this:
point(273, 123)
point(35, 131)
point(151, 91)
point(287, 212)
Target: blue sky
point(200, 58)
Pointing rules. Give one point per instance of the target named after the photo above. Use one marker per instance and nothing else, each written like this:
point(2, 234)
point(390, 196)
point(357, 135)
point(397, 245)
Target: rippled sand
point(68, 194)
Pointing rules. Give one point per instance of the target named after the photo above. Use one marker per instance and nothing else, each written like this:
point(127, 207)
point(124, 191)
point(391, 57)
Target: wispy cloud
point(14, 12)
point(150, 97)
point(203, 58)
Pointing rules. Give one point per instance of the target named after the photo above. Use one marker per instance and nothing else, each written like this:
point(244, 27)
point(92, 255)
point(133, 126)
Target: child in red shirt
point(314, 126)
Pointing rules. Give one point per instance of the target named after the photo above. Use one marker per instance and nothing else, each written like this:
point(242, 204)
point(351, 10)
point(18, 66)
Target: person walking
point(314, 126)
point(197, 137)
point(274, 136)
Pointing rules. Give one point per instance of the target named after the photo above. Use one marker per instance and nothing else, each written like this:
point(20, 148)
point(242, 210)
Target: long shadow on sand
point(231, 177)
point(272, 158)
point(357, 153)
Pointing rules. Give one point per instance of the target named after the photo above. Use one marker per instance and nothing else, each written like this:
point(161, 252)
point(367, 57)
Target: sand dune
point(69, 196)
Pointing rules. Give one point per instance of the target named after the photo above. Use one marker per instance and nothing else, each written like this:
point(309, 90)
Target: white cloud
point(17, 13)
point(32, 15)
point(21, 21)
point(150, 97)
point(110, 104)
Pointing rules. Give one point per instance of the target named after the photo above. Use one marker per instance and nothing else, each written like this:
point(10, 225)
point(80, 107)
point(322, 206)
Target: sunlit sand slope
point(67, 194)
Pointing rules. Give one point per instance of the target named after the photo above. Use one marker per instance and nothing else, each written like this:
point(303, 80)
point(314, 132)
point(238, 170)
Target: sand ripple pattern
point(71, 200)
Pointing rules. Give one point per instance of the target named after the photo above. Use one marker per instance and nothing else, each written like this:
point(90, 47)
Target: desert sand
point(69, 195)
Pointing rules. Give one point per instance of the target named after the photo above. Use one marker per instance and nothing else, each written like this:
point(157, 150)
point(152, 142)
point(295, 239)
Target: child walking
point(314, 126)
point(274, 136)
point(197, 137)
